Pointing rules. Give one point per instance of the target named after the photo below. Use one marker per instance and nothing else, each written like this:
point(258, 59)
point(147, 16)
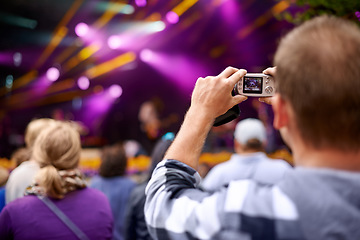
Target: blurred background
point(124, 70)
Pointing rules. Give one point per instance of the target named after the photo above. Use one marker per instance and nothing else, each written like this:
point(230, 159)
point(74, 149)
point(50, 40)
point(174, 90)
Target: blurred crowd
point(47, 167)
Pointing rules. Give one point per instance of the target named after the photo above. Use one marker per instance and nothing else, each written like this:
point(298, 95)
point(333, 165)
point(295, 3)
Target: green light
point(115, 7)
point(17, 20)
point(9, 81)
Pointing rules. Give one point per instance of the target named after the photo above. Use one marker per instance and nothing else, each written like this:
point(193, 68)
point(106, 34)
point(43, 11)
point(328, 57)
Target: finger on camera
point(229, 71)
point(239, 98)
point(270, 71)
point(267, 100)
point(233, 79)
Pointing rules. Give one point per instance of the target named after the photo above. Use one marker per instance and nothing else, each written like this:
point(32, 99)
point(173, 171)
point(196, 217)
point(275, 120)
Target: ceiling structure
point(98, 61)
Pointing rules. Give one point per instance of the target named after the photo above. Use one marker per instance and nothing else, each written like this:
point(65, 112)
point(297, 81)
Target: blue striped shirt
point(176, 209)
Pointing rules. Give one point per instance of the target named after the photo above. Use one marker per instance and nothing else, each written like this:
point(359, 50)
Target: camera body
point(256, 85)
point(252, 85)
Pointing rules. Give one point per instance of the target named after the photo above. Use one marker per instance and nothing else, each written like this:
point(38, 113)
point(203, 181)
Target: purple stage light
point(114, 42)
point(93, 109)
point(53, 74)
point(140, 3)
point(146, 55)
point(229, 12)
point(17, 59)
point(83, 83)
point(81, 29)
point(172, 17)
point(115, 91)
point(41, 84)
point(180, 69)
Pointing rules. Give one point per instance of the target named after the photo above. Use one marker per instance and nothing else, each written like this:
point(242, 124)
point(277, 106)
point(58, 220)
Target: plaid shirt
point(176, 209)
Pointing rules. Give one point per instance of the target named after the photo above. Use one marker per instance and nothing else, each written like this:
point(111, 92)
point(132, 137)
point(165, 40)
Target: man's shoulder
point(222, 167)
point(279, 163)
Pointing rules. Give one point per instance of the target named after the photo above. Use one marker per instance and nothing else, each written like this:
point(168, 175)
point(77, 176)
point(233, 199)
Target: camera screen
point(252, 85)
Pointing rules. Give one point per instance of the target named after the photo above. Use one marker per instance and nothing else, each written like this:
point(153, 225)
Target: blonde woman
point(22, 176)
point(58, 205)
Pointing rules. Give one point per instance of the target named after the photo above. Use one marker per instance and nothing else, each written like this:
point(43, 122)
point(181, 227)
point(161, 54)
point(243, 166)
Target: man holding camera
point(316, 109)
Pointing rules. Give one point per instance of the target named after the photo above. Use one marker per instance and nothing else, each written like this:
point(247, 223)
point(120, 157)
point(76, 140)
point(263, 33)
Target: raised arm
point(211, 98)
point(176, 209)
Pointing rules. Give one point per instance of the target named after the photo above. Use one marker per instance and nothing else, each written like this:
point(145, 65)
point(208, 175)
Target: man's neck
point(248, 151)
point(327, 158)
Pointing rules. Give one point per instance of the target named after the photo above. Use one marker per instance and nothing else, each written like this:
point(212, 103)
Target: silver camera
point(256, 85)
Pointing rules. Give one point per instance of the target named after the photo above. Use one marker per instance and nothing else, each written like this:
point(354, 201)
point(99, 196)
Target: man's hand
point(212, 95)
point(211, 98)
point(272, 72)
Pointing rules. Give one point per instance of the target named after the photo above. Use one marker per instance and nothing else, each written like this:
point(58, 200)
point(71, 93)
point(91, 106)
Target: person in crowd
point(316, 108)
point(135, 225)
point(22, 176)
point(58, 205)
point(4, 175)
point(21, 155)
point(114, 183)
point(249, 160)
point(152, 126)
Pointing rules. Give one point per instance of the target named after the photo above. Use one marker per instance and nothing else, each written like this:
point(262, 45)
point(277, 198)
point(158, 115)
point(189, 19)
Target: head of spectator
point(113, 161)
point(26, 167)
point(34, 128)
point(317, 106)
point(160, 149)
point(21, 155)
point(4, 175)
point(57, 151)
point(249, 136)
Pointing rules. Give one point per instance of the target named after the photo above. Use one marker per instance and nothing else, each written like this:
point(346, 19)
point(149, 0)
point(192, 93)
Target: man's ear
point(281, 114)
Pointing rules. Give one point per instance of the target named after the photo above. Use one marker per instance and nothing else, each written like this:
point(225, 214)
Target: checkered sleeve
point(176, 209)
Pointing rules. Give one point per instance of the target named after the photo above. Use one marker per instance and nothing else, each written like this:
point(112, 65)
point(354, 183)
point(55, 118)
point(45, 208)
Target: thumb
point(239, 98)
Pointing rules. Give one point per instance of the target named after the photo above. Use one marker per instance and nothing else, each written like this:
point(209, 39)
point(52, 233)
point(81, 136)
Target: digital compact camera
point(256, 85)
point(252, 85)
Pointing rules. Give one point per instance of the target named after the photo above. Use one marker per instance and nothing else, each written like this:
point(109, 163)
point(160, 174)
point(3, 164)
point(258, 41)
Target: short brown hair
point(254, 144)
point(113, 161)
point(318, 72)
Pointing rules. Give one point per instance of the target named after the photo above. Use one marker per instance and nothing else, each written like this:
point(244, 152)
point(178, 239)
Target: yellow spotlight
point(184, 6)
point(110, 65)
point(276, 9)
point(154, 17)
point(25, 79)
point(81, 56)
point(61, 86)
point(89, 51)
point(280, 7)
point(59, 34)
